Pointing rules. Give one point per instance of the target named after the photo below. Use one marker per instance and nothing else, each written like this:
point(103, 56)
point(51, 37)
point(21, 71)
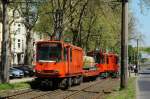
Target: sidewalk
point(21, 80)
point(132, 74)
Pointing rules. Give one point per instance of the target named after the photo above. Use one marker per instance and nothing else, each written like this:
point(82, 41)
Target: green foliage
point(91, 24)
point(143, 60)
point(131, 54)
point(146, 3)
point(146, 49)
point(45, 21)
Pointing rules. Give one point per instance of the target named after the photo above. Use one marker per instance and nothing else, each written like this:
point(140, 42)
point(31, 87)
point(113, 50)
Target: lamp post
point(124, 45)
point(137, 56)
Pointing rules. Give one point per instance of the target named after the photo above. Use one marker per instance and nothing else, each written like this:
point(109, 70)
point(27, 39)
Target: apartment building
point(17, 31)
point(18, 37)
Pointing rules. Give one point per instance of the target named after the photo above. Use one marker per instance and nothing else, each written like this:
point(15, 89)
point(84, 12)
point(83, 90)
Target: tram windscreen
point(49, 52)
point(98, 58)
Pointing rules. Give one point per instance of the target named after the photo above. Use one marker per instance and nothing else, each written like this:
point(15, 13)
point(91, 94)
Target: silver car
point(15, 73)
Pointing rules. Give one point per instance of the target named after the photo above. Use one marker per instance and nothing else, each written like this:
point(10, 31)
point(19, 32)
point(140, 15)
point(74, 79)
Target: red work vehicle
point(113, 67)
point(106, 62)
point(58, 64)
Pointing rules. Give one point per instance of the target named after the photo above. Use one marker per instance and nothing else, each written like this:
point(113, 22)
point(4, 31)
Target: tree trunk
point(75, 35)
point(89, 32)
point(29, 49)
point(5, 54)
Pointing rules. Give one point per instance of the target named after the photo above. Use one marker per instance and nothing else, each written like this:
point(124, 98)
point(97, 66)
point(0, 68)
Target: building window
point(18, 25)
point(19, 29)
point(33, 43)
point(18, 40)
point(18, 45)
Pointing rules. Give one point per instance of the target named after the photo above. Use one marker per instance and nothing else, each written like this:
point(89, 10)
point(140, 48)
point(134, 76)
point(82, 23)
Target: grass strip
point(8, 86)
point(128, 93)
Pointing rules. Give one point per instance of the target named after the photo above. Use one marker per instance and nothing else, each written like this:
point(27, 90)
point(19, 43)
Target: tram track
point(82, 90)
point(17, 93)
point(105, 90)
point(45, 94)
point(92, 90)
point(29, 94)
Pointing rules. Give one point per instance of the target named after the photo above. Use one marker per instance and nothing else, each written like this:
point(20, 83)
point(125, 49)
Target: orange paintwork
point(69, 65)
point(112, 64)
point(107, 61)
point(90, 73)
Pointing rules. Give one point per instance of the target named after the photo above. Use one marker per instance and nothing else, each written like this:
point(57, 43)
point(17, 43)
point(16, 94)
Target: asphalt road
point(143, 83)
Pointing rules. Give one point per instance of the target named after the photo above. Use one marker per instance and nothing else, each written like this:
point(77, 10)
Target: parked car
point(27, 70)
point(15, 73)
point(10, 74)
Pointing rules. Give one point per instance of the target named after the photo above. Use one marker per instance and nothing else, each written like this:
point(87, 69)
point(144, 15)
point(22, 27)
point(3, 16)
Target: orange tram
point(62, 64)
point(106, 62)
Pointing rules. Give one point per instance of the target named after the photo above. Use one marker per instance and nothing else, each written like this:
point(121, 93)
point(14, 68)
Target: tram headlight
point(38, 71)
point(56, 71)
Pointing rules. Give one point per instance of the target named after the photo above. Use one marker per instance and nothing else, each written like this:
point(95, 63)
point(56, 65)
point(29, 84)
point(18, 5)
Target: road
point(143, 83)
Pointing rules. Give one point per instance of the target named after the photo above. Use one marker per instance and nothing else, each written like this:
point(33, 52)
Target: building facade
point(17, 32)
point(18, 37)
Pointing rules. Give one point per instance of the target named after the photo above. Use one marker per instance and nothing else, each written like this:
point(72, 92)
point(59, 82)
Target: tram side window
point(107, 60)
point(117, 59)
point(103, 59)
point(65, 54)
point(71, 54)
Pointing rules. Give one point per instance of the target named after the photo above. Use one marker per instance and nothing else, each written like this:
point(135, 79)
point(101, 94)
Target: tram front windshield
point(49, 52)
point(98, 58)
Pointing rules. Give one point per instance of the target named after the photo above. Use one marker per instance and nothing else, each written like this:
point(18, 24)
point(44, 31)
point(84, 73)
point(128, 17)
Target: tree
point(145, 3)
point(81, 19)
point(28, 11)
point(5, 54)
point(131, 54)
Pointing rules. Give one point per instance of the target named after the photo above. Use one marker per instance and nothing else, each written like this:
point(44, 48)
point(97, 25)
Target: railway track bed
point(90, 90)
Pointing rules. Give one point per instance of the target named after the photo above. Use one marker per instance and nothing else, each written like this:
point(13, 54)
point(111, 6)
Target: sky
point(143, 21)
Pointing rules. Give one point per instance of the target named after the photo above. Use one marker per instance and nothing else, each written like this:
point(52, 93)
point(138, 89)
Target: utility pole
point(137, 56)
point(124, 45)
point(5, 61)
